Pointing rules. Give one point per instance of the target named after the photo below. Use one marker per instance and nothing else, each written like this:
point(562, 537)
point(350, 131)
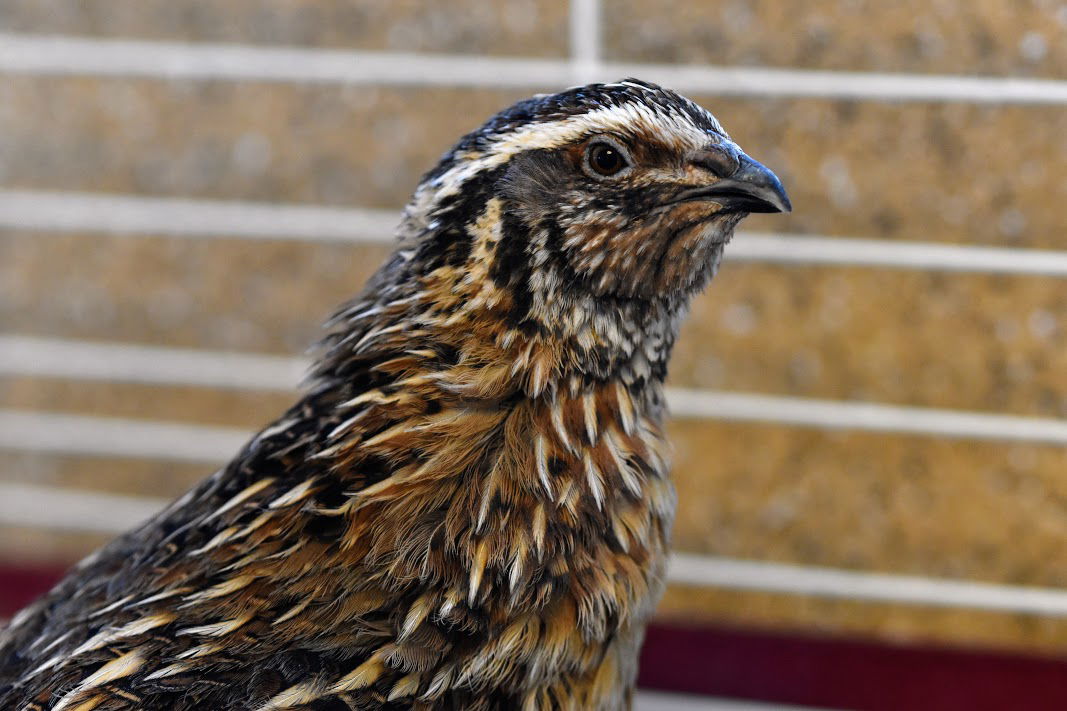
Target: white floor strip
point(79, 360)
point(129, 363)
point(66, 55)
point(113, 437)
point(135, 215)
point(129, 214)
point(58, 508)
point(659, 701)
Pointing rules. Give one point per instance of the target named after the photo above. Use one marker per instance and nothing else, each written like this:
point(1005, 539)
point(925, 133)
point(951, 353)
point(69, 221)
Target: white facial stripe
point(626, 118)
point(629, 118)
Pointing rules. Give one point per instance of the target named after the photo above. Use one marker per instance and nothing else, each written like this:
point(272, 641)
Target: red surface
point(847, 673)
point(20, 585)
point(791, 668)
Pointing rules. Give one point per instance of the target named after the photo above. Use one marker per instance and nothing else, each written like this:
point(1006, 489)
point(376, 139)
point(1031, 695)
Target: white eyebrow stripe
point(623, 118)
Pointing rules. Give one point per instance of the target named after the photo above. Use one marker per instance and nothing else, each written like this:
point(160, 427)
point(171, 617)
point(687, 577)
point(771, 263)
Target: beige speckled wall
point(943, 172)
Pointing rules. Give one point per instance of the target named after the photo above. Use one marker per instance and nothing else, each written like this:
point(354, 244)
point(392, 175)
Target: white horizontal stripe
point(708, 571)
point(135, 215)
point(849, 251)
point(64, 55)
point(26, 356)
point(63, 509)
point(129, 363)
point(867, 416)
point(113, 437)
point(129, 214)
point(73, 509)
point(872, 86)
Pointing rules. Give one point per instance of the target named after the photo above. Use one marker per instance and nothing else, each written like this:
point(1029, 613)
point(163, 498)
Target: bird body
point(470, 506)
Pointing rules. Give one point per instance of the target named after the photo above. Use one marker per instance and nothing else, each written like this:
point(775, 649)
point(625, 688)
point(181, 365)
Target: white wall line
point(60, 508)
point(709, 571)
point(65, 55)
point(131, 363)
point(864, 416)
point(131, 214)
point(115, 362)
point(64, 509)
point(863, 86)
point(75, 434)
point(784, 248)
point(79, 56)
point(83, 435)
point(174, 217)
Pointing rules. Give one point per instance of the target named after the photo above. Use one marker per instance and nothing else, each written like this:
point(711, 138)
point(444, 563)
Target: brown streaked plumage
point(470, 507)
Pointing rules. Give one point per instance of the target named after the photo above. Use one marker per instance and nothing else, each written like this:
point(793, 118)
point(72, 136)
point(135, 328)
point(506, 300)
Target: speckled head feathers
point(604, 207)
point(652, 227)
point(549, 120)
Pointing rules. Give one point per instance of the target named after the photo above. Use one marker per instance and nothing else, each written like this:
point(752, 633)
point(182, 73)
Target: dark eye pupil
point(606, 160)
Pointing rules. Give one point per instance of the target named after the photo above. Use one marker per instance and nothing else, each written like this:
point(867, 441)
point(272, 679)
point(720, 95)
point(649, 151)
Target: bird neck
point(527, 471)
point(490, 289)
point(538, 484)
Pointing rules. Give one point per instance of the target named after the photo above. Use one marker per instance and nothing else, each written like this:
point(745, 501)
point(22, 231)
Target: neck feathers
point(479, 282)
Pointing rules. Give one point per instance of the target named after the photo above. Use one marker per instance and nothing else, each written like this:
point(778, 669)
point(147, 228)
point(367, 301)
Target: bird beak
point(754, 187)
point(744, 185)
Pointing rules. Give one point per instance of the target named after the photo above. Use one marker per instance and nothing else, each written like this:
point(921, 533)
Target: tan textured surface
point(230, 408)
point(912, 505)
point(893, 623)
point(359, 145)
point(526, 27)
point(938, 172)
point(954, 173)
point(843, 333)
point(1022, 38)
point(221, 294)
point(114, 476)
point(979, 342)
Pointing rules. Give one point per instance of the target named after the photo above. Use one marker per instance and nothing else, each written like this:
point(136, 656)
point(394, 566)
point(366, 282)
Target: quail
point(469, 506)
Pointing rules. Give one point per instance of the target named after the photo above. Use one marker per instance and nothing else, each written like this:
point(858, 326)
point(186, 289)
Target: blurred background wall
point(208, 179)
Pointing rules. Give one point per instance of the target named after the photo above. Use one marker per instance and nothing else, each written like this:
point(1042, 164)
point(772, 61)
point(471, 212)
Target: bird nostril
point(720, 163)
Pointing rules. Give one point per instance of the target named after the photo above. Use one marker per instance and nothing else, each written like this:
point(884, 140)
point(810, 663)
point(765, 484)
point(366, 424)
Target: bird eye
point(605, 159)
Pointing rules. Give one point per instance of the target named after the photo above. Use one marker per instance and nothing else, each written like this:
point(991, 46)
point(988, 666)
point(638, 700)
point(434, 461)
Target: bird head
point(584, 219)
point(624, 190)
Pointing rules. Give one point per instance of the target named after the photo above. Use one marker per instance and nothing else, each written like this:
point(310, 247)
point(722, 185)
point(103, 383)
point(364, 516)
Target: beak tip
point(749, 187)
point(764, 184)
point(784, 204)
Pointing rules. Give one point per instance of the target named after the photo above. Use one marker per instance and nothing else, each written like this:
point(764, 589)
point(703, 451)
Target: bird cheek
point(685, 213)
